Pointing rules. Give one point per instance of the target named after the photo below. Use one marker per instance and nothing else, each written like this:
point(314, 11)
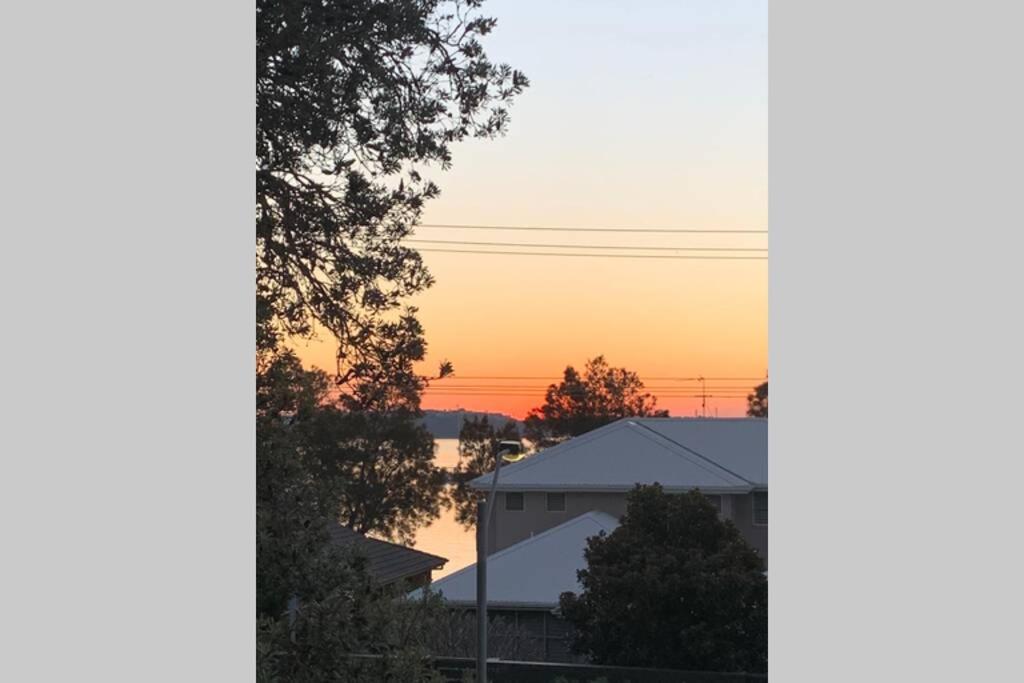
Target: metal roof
point(532, 573)
point(727, 455)
point(387, 562)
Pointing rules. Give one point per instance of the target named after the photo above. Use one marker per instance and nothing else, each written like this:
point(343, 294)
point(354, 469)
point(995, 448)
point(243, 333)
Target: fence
point(461, 669)
point(501, 671)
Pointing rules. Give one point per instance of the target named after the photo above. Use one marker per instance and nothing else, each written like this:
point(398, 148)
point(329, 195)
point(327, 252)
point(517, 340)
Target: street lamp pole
point(483, 522)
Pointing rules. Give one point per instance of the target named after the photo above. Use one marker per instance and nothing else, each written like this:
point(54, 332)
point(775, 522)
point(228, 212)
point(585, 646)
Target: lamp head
point(511, 451)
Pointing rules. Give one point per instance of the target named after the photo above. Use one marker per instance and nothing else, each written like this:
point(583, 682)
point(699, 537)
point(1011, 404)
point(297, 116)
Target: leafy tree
point(478, 444)
point(673, 586)
point(370, 446)
point(293, 556)
point(583, 402)
point(400, 634)
point(382, 465)
point(362, 634)
point(354, 99)
point(757, 402)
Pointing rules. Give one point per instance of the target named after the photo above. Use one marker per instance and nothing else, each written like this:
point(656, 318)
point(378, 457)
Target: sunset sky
point(639, 115)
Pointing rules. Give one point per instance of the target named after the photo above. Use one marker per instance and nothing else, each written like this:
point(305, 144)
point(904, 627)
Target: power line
point(559, 377)
point(583, 246)
point(543, 387)
point(549, 253)
point(535, 392)
point(553, 229)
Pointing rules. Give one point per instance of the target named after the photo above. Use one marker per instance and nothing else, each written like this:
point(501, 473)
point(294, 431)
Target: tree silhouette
point(757, 402)
point(356, 100)
point(673, 586)
point(478, 444)
point(583, 402)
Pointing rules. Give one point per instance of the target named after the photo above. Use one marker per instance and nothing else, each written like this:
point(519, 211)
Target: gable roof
point(532, 573)
point(387, 562)
point(715, 455)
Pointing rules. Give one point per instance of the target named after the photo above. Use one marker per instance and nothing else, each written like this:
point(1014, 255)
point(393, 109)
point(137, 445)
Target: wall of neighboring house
point(509, 527)
point(743, 518)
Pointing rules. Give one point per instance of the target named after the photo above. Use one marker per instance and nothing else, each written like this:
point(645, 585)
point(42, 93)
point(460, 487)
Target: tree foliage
point(583, 402)
point(364, 633)
point(673, 586)
point(293, 509)
point(757, 402)
point(354, 99)
point(382, 465)
point(478, 445)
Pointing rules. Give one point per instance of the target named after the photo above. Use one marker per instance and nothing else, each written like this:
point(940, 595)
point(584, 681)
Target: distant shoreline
point(446, 424)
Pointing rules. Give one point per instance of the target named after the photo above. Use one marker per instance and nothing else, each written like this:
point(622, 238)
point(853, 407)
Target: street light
point(508, 451)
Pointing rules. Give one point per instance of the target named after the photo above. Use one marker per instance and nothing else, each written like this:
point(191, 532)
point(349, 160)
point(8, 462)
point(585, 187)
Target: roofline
point(526, 541)
point(698, 454)
point(623, 422)
point(438, 560)
point(544, 454)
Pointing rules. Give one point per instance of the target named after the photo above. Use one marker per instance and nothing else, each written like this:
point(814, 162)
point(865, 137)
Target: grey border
point(895, 340)
point(126, 494)
point(127, 491)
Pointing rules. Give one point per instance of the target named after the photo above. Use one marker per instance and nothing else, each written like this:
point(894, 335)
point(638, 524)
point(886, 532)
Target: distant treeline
point(445, 424)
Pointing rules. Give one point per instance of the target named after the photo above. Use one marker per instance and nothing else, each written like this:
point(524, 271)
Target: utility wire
point(559, 377)
point(552, 229)
point(549, 253)
point(582, 246)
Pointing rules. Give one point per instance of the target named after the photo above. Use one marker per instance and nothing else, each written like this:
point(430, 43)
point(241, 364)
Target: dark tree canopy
point(757, 402)
point(382, 467)
point(583, 402)
point(478, 446)
point(354, 99)
point(293, 556)
point(673, 586)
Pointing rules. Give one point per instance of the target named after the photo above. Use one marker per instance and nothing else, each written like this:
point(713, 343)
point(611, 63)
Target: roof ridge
point(591, 514)
point(699, 455)
point(569, 444)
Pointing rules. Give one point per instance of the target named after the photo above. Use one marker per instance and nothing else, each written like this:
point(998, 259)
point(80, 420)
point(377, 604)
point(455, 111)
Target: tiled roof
point(388, 562)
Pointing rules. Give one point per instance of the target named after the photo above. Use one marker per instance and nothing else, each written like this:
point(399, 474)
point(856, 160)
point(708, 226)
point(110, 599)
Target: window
point(556, 502)
point(760, 508)
point(513, 501)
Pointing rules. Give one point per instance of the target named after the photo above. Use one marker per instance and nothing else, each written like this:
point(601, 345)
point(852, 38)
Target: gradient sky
point(646, 114)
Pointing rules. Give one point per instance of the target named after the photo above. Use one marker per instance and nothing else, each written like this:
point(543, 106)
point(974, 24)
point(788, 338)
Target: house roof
point(532, 573)
point(387, 562)
point(715, 455)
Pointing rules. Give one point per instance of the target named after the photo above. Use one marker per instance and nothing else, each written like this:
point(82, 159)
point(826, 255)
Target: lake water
point(445, 536)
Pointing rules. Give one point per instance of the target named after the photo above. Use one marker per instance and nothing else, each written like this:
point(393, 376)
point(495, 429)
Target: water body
point(445, 536)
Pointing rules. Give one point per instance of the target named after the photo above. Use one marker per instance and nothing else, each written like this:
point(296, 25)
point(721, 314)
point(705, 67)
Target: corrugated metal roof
point(388, 562)
point(531, 573)
point(715, 455)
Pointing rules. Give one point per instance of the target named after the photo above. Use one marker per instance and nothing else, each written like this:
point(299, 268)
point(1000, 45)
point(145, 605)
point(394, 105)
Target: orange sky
point(613, 132)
